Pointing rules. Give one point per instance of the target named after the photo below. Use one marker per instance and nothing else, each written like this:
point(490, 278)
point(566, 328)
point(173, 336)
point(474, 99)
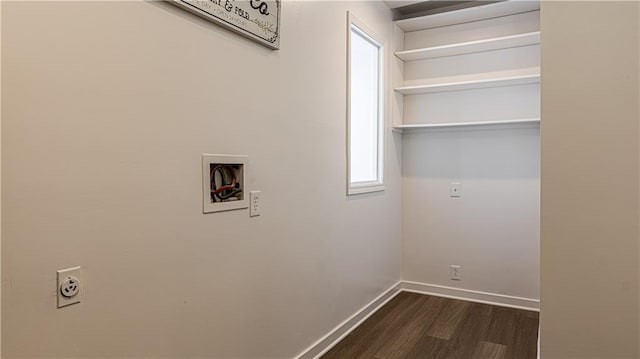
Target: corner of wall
point(0, 178)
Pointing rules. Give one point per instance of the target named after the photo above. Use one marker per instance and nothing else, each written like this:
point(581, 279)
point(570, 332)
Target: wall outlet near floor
point(454, 272)
point(68, 287)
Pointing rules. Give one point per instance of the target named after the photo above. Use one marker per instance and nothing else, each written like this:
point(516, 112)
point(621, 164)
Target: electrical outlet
point(454, 272)
point(254, 203)
point(455, 190)
point(68, 287)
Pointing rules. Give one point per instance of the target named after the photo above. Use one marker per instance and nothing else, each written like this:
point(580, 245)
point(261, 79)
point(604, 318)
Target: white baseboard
point(343, 329)
point(538, 340)
point(472, 295)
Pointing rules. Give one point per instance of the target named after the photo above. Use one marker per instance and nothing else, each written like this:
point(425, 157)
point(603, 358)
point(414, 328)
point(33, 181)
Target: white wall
point(107, 109)
point(589, 203)
point(492, 231)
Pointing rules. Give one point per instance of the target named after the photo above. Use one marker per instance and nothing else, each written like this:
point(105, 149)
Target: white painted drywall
point(492, 231)
point(589, 203)
point(107, 109)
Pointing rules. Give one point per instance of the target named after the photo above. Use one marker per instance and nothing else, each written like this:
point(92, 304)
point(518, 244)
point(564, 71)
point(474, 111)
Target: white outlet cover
point(254, 203)
point(455, 189)
point(454, 272)
point(68, 282)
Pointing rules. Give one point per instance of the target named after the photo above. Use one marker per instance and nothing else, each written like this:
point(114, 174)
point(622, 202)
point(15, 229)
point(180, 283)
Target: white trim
point(538, 338)
point(472, 295)
point(343, 329)
point(354, 24)
point(365, 187)
point(1, 177)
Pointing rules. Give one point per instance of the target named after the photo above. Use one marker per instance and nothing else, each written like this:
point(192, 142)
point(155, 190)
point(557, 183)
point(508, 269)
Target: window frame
point(363, 30)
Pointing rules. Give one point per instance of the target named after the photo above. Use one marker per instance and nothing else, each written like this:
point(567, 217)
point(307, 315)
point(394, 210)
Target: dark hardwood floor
point(421, 326)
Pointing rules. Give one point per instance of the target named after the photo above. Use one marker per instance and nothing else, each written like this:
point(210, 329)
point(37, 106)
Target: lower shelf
point(462, 124)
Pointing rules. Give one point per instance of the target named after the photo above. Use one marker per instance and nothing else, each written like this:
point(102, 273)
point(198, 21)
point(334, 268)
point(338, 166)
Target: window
point(365, 110)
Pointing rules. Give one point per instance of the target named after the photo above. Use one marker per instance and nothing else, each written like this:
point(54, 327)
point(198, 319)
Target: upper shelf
point(467, 124)
point(470, 84)
point(476, 13)
point(497, 43)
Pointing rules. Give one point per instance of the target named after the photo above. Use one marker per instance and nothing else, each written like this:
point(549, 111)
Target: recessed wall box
point(223, 183)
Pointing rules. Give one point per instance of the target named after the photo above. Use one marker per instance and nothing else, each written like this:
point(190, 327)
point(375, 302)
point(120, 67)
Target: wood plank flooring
point(421, 326)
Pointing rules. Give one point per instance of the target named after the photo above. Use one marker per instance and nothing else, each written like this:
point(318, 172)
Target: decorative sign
point(258, 20)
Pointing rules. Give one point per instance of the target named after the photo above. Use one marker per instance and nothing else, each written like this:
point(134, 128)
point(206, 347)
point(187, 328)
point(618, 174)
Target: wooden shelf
point(505, 42)
point(470, 84)
point(466, 124)
point(476, 13)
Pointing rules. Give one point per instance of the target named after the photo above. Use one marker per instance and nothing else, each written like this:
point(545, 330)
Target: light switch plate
point(455, 189)
point(254, 203)
point(69, 286)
